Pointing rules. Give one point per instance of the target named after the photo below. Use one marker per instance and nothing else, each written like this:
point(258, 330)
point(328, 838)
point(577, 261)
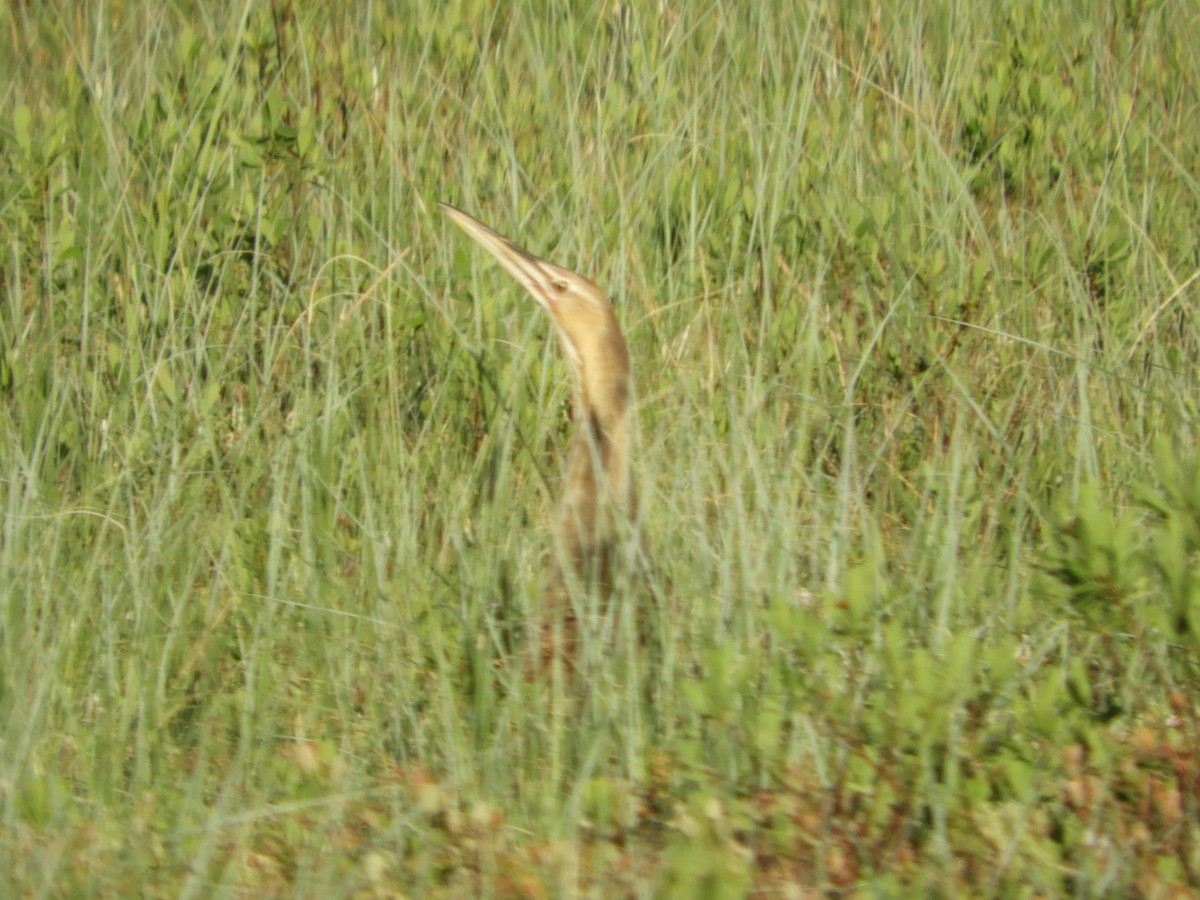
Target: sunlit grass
point(911, 302)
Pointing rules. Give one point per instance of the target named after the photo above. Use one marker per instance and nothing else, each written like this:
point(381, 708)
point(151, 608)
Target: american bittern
point(598, 494)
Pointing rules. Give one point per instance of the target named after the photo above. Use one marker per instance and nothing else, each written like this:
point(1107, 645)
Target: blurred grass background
point(911, 299)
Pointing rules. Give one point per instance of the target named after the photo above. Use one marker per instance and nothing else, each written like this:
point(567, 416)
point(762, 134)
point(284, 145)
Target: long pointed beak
point(529, 271)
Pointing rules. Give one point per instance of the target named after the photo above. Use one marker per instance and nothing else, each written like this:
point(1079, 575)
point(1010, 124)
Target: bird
point(598, 504)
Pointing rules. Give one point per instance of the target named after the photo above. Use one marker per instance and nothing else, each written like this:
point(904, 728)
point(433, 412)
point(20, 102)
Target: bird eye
point(559, 286)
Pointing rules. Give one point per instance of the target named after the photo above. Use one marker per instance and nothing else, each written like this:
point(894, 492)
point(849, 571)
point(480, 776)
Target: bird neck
point(599, 484)
point(599, 493)
point(599, 453)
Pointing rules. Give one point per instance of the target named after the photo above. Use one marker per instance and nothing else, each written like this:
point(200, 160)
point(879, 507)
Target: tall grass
point(911, 299)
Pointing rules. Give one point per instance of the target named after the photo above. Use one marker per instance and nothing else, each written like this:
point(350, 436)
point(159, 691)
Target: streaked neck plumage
point(598, 494)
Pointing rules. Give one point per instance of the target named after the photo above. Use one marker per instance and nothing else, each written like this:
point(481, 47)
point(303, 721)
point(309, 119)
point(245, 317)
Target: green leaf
point(22, 118)
point(306, 133)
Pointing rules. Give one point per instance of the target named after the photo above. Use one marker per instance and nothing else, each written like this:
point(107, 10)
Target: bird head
point(581, 313)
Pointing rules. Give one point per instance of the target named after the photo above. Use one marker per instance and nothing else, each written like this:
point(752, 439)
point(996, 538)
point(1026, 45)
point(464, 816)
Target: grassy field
point(911, 300)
